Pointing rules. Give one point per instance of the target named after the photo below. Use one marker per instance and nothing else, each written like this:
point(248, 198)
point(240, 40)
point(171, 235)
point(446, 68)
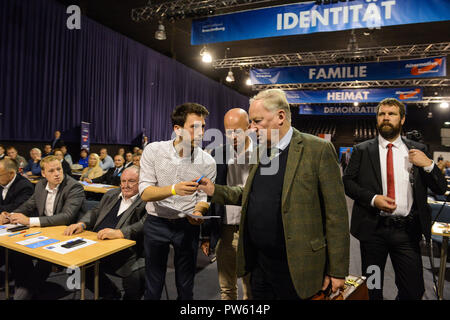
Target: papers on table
point(96, 185)
point(5, 227)
point(441, 227)
point(202, 217)
point(61, 250)
point(37, 242)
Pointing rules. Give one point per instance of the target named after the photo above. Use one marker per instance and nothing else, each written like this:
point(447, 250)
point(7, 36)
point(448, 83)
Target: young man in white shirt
point(169, 170)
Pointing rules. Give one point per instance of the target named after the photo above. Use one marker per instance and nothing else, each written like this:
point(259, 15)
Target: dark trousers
point(159, 233)
point(401, 243)
point(27, 274)
point(270, 280)
point(133, 285)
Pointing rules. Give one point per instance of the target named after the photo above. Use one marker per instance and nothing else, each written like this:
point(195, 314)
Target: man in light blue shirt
point(106, 162)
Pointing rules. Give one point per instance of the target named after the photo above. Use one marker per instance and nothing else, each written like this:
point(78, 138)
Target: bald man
point(233, 164)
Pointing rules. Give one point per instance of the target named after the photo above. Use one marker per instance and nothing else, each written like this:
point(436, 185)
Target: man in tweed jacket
point(294, 240)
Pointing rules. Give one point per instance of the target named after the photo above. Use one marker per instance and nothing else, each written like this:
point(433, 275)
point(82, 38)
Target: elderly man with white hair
point(33, 167)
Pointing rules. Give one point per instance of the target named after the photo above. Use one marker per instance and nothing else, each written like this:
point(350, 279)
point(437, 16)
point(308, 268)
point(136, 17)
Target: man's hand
point(384, 203)
point(19, 218)
point(73, 229)
point(186, 188)
point(205, 247)
point(108, 233)
point(418, 158)
point(29, 173)
point(336, 283)
point(87, 180)
point(206, 186)
point(193, 221)
point(4, 217)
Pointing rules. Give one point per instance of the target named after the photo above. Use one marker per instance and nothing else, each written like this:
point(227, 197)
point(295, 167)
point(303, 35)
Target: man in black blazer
point(57, 200)
point(57, 142)
point(112, 176)
point(120, 214)
point(388, 178)
point(14, 189)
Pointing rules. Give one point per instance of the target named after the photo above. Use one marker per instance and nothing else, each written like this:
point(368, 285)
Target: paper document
point(59, 249)
point(32, 240)
point(5, 227)
point(202, 217)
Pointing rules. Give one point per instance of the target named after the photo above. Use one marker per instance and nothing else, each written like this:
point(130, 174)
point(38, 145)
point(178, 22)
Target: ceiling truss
point(437, 82)
point(376, 54)
point(182, 9)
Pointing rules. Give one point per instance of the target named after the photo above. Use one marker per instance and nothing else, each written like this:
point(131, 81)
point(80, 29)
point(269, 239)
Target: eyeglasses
point(129, 182)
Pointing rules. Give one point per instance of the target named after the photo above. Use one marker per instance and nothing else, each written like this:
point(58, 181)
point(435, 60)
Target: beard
point(389, 131)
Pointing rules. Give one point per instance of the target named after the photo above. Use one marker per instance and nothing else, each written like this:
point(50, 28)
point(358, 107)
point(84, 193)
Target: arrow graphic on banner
point(418, 71)
point(409, 95)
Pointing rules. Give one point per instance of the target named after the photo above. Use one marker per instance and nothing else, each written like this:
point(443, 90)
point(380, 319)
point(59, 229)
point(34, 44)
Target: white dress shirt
point(125, 204)
point(161, 166)
point(237, 174)
point(402, 175)
point(49, 205)
point(6, 188)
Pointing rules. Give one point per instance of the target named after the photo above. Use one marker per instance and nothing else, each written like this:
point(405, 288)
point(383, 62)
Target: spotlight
point(356, 104)
point(248, 81)
point(160, 34)
point(206, 56)
point(444, 105)
point(230, 77)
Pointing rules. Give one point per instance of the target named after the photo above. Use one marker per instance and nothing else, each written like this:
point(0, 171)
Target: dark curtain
point(52, 78)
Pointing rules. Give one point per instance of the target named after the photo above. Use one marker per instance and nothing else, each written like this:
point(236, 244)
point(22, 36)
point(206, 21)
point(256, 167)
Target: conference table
point(81, 258)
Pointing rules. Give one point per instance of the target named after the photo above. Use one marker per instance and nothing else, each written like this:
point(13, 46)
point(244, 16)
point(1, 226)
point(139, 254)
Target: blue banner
point(85, 140)
point(354, 95)
point(390, 70)
point(321, 110)
point(305, 18)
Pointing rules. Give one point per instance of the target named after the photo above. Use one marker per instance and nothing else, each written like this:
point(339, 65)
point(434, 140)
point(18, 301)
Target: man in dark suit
point(233, 165)
point(293, 233)
point(57, 200)
point(112, 176)
point(120, 214)
point(388, 178)
point(57, 142)
point(65, 165)
point(14, 189)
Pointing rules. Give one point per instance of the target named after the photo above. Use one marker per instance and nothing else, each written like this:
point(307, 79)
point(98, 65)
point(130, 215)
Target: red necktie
point(390, 173)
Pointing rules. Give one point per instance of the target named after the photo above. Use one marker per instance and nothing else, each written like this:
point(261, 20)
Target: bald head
point(236, 118)
point(236, 124)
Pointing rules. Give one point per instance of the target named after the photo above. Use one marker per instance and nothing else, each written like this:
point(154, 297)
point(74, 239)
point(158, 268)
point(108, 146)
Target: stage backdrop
point(53, 78)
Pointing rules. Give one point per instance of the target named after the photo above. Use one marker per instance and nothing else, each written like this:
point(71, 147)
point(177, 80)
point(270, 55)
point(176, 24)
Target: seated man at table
point(65, 165)
point(14, 189)
point(128, 159)
point(33, 167)
point(14, 155)
point(67, 156)
point(112, 176)
point(57, 200)
point(106, 161)
point(120, 214)
point(47, 150)
point(136, 160)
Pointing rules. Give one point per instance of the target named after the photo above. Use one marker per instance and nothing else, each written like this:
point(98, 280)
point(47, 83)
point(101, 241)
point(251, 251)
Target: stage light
point(248, 81)
point(230, 77)
point(356, 104)
point(206, 56)
point(160, 34)
point(444, 105)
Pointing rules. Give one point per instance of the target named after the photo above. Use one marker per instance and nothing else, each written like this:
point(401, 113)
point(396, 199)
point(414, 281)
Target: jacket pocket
point(318, 243)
